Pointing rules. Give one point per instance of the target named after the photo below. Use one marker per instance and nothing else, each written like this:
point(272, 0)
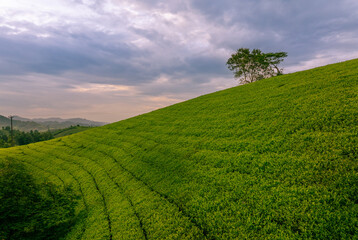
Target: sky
point(108, 60)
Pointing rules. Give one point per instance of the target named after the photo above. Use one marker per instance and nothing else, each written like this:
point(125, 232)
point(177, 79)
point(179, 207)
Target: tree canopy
point(250, 66)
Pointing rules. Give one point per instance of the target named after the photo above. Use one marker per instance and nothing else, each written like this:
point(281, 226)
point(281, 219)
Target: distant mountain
point(43, 124)
point(22, 125)
point(22, 119)
point(77, 121)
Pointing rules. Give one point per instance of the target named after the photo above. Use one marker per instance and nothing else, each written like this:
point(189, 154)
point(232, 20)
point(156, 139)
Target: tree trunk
point(278, 70)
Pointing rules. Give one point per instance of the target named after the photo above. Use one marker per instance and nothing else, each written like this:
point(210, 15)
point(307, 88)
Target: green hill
point(69, 131)
point(275, 159)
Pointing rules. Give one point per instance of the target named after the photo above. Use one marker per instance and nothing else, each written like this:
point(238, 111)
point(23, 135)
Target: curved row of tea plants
point(269, 160)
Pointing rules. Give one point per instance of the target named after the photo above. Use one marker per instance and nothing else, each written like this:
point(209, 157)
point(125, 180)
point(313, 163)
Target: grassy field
point(68, 131)
point(275, 159)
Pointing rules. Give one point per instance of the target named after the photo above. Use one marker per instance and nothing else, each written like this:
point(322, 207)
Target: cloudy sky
point(108, 60)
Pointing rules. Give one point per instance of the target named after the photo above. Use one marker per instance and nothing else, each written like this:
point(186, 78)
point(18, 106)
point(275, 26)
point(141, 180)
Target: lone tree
point(250, 66)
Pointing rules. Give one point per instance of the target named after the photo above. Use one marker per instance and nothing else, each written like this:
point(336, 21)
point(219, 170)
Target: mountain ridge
point(43, 124)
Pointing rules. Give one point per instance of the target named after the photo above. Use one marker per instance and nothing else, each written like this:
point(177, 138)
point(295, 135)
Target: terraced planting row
point(122, 206)
point(276, 159)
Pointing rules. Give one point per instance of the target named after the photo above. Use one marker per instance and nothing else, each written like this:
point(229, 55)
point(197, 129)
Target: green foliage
point(251, 66)
point(23, 138)
point(30, 210)
point(276, 159)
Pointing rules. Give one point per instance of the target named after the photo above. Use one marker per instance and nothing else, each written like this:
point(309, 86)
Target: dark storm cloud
point(298, 27)
point(89, 52)
point(199, 68)
point(24, 56)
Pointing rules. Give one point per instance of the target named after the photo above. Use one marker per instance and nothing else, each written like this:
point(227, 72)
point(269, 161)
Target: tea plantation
point(275, 159)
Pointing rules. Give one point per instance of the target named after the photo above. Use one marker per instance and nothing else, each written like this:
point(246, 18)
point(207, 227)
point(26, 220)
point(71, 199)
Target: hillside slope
point(275, 159)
